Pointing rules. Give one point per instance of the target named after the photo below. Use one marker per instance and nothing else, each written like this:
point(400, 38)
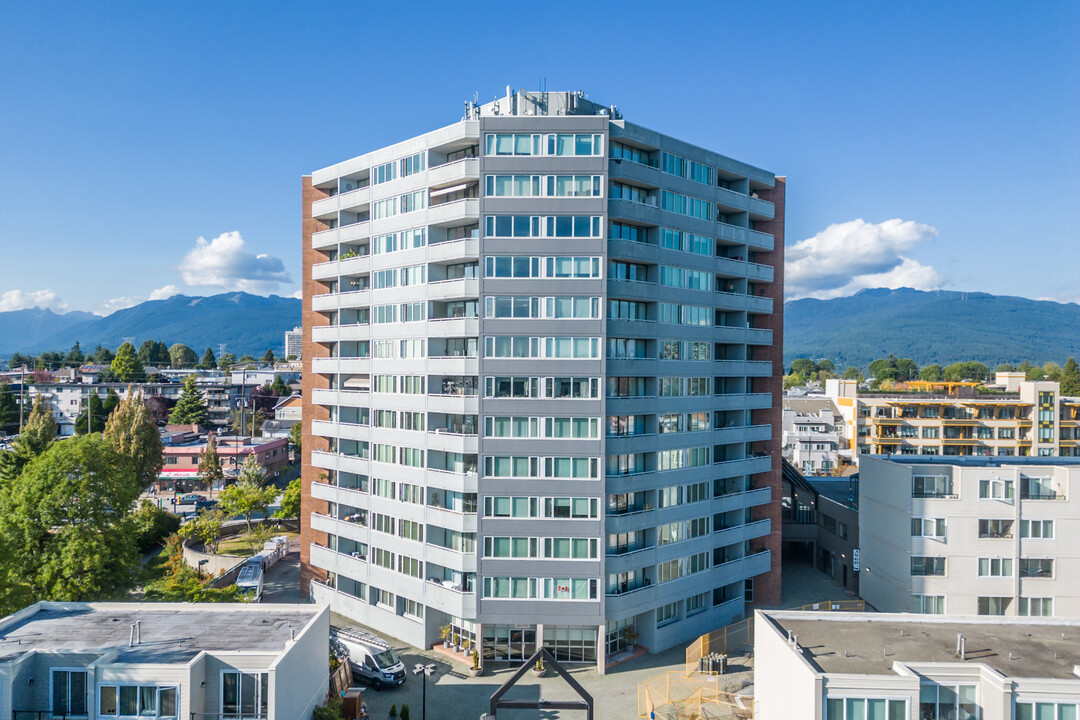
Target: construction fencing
point(694, 693)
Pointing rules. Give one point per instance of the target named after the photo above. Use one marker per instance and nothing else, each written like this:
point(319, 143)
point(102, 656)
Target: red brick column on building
point(309, 442)
point(767, 588)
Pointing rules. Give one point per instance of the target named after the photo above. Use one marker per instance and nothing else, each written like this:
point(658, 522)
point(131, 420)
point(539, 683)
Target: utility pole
point(22, 394)
point(243, 400)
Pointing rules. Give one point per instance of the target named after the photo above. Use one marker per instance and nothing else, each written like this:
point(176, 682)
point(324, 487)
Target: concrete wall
point(885, 534)
point(300, 679)
point(786, 686)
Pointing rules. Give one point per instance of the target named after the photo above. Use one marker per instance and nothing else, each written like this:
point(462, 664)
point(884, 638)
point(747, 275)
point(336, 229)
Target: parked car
point(189, 499)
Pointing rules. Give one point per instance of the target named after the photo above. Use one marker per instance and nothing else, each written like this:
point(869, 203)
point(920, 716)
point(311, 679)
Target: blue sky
point(128, 131)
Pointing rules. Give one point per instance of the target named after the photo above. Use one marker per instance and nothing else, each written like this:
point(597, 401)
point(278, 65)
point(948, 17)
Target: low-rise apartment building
point(970, 536)
point(811, 440)
point(182, 451)
point(869, 666)
point(164, 660)
point(1012, 418)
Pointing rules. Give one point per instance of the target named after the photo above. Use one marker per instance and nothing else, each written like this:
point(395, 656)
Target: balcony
point(461, 249)
point(348, 200)
point(345, 431)
point(338, 494)
point(343, 463)
point(742, 368)
point(742, 401)
point(347, 233)
point(458, 212)
point(453, 173)
point(346, 398)
point(743, 466)
point(340, 333)
point(742, 533)
point(453, 365)
point(351, 565)
point(453, 327)
point(742, 301)
point(336, 301)
point(737, 267)
point(334, 365)
point(456, 289)
point(452, 442)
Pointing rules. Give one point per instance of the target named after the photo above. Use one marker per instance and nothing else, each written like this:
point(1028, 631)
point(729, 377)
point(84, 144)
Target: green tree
point(39, 431)
point(803, 366)
point(246, 359)
point(210, 471)
point(884, 369)
point(854, 373)
point(205, 528)
point(152, 525)
point(1031, 372)
point(226, 360)
point(970, 370)
point(9, 409)
point(133, 432)
point(247, 496)
point(295, 434)
point(148, 352)
point(92, 417)
point(65, 527)
point(110, 403)
point(102, 355)
point(279, 387)
point(906, 369)
point(268, 357)
point(75, 356)
point(183, 583)
point(1070, 378)
point(181, 356)
point(208, 362)
point(190, 408)
point(290, 501)
point(931, 373)
point(248, 421)
point(1052, 371)
point(126, 366)
point(1005, 367)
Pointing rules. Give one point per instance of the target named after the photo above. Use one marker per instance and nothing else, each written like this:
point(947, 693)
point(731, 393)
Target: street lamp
point(425, 670)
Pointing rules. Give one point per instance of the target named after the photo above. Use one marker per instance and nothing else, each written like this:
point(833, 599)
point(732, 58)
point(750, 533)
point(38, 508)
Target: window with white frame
point(995, 567)
point(1037, 529)
point(928, 527)
point(1035, 710)
point(928, 604)
point(996, 489)
point(1036, 607)
point(865, 709)
point(137, 701)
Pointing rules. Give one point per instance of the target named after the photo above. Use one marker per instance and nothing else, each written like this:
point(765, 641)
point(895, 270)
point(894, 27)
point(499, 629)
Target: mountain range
point(928, 327)
point(247, 324)
point(931, 327)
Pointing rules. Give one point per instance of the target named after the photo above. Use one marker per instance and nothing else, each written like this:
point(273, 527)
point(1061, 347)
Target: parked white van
point(373, 660)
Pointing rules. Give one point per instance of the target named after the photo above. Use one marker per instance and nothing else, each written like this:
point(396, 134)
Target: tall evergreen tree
point(148, 352)
point(75, 356)
point(190, 408)
point(39, 429)
point(133, 432)
point(268, 357)
point(92, 417)
point(208, 362)
point(1070, 378)
point(9, 409)
point(126, 366)
point(102, 355)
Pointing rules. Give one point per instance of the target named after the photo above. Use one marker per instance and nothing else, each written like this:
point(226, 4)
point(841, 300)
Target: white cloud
point(164, 293)
point(225, 263)
point(847, 257)
point(299, 294)
point(119, 303)
point(21, 300)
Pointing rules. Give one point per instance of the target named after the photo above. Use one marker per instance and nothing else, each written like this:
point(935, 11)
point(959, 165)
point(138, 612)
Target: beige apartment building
point(1014, 417)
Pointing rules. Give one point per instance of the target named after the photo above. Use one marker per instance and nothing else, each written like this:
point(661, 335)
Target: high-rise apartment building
point(542, 383)
point(294, 343)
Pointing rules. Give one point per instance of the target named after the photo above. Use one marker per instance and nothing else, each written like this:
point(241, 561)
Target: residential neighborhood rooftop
point(869, 643)
point(168, 632)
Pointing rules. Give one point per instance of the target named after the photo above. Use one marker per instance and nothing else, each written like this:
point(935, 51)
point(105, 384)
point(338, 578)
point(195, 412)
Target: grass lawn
point(239, 545)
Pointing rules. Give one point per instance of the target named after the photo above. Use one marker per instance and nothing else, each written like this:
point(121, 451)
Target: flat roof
point(842, 490)
point(979, 460)
point(169, 633)
point(869, 643)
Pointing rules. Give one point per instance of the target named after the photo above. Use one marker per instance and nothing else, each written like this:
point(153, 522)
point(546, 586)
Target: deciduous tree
point(65, 526)
point(210, 471)
point(290, 501)
point(247, 496)
point(134, 433)
point(181, 356)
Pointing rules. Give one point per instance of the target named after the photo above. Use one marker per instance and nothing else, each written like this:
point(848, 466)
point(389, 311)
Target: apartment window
point(626, 387)
point(633, 233)
point(519, 507)
point(666, 614)
point(577, 144)
point(1037, 529)
point(748, 590)
point(924, 566)
point(512, 186)
point(947, 702)
point(866, 709)
point(633, 154)
point(412, 609)
point(1036, 607)
point(1036, 567)
point(68, 692)
point(244, 695)
point(996, 489)
point(511, 144)
point(132, 701)
point(1038, 488)
point(995, 567)
point(570, 548)
point(928, 486)
point(995, 529)
point(928, 527)
point(571, 508)
point(1046, 711)
point(994, 605)
point(696, 604)
point(928, 604)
